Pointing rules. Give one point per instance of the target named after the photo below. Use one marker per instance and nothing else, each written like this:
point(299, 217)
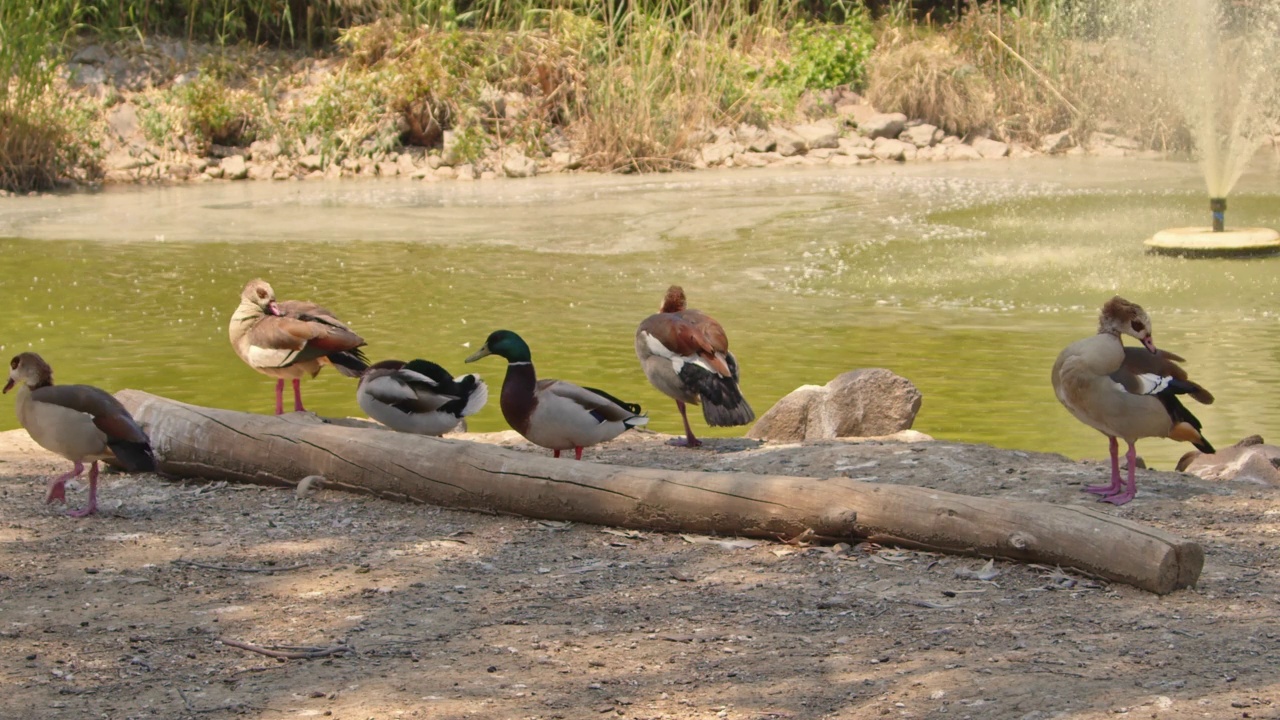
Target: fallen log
point(195, 441)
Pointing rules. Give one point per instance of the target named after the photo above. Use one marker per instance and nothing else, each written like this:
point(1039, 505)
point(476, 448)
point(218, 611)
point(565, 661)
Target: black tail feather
point(633, 408)
point(351, 363)
point(722, 402)
point(133, 456)
point(1179, 413)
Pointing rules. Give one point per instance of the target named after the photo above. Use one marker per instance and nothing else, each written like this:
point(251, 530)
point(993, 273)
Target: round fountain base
point(1204, 242)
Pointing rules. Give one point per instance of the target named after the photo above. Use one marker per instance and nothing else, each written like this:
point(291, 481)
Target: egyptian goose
point(553, 413)
point(685, 354)
point(419, 396)
point(291, 339)
point(79, 422)
point(1127, 392)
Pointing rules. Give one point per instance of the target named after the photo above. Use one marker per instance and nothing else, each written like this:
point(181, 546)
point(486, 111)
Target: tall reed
point(33, 147)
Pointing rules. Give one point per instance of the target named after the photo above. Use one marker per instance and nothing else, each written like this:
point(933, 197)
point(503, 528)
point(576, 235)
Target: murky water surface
point(966, 278)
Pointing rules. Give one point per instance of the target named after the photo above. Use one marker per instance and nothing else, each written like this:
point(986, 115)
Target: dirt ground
point(421, 612)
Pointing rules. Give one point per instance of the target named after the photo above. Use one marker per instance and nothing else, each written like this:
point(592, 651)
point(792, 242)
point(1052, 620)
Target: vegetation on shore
point(631, 86)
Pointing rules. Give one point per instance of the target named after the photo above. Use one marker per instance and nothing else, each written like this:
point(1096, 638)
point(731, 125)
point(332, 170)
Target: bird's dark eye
point(13, 364)
point(1139, 326)
point(262, 293)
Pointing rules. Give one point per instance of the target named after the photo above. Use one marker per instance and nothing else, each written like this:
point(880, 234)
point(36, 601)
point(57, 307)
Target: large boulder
point(821, 134)
point(1250, 460)
point(883, 125)
point(860, 403)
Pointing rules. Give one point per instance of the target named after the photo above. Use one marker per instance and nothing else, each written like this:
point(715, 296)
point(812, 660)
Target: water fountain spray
point(1220, 64)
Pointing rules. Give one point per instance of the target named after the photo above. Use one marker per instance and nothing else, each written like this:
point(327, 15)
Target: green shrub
point(825, 56)
point(214, 113)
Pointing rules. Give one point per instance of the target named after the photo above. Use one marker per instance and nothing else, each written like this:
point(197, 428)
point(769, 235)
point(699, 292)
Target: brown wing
point(108, 414)
point(690, 333)
point(1140, 361)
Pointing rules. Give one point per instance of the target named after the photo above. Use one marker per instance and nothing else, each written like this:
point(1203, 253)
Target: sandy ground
point(421, 612)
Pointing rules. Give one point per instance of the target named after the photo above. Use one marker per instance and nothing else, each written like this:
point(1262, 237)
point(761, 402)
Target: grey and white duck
point(555, 414)
point(419, 396)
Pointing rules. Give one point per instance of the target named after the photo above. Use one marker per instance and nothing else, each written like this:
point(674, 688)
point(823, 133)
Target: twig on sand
point(240, 568)
point(296, 654)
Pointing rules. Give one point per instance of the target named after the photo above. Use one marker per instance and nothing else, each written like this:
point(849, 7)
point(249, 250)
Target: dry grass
point(928, 79)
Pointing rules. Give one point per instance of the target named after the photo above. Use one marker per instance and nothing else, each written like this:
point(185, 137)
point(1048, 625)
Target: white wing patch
point(1153, 384)
point(270, 357)
point(657, 348)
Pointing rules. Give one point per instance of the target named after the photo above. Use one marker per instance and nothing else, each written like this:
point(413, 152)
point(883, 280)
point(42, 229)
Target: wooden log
point(281, 450)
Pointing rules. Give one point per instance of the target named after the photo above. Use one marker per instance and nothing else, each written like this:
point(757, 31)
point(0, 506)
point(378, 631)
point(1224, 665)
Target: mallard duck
point(685, 354)
point(419, 396)
point(291, 339)
point(1127, 392)
point(553, 413)
point(79, 422)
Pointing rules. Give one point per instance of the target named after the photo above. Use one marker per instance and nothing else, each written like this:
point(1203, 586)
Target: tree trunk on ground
point(194, 441)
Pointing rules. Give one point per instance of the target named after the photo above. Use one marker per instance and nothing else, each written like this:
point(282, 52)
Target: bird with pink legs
point(1127, 392)
point(79, 422)
point(292, 339)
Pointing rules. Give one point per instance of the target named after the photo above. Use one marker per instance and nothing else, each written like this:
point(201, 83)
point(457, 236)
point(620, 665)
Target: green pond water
point(965, 278)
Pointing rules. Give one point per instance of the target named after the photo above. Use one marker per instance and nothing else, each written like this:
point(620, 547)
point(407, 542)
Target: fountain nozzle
point(1218, 206)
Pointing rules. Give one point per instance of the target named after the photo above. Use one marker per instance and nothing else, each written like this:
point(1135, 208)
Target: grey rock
point(234, 167)
point(757, 140)
point(519, 166)
point(311, 162)
point(861, 403)
point(822, 134)
point(80, 76)
point(719, 152)
point(388, 169)
point(883, 125)
point(123, 119)
point(989, 148)
point(922, 136)
point(787, 142)
point(962, 152)
point(566, 160)
point(263, 150)
point(1250, 460)
point(1056, 142)
point(890, 149)
point(261, 171)
point(91, 55)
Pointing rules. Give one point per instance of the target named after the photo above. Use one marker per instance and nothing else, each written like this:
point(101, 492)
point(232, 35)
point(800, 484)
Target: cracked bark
point(225, 445)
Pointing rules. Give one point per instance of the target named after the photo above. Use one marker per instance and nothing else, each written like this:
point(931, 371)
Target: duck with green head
point(553, 413)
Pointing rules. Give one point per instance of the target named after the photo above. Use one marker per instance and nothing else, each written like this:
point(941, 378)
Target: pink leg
point(57, 491)
point(280, 396)
point(1131, 489)
point(92, 507)
point(1114, 487)
point(555, 453)
point(689, 440)
point(297, 396)
point(577, 453)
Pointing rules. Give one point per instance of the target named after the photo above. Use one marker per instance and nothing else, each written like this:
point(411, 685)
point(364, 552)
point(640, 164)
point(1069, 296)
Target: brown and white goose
point(1127, 392)
point(685, 354)
point(79, 422)
point(291, 339)
point(553, 413)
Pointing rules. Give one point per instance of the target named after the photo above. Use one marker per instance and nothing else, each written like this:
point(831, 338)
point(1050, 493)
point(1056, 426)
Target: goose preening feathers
point(685, 354)
point(553, 413)
point(1127, 392)
point(290, 339)
point(79, 422)
point(419, 396)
